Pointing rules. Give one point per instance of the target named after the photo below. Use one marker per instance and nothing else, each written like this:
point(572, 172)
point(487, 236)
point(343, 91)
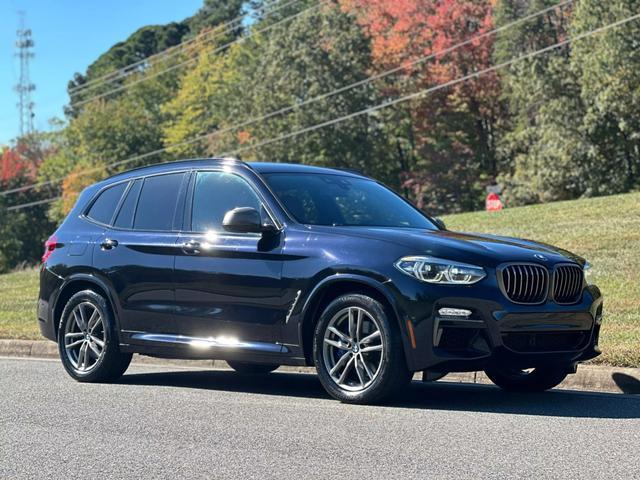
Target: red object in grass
point(49, 246)
point(493, 202)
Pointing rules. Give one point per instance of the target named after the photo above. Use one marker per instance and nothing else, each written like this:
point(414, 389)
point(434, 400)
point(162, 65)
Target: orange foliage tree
point(21, 161)
point(77, 180)
point(451, 129)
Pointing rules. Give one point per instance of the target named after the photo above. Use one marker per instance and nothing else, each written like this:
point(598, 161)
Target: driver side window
point(214, 194)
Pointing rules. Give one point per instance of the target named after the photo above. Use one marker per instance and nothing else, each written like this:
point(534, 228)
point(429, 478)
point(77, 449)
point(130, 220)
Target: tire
point(80, 329)
point(537, 380)
point(252, 368)
point(374, 362)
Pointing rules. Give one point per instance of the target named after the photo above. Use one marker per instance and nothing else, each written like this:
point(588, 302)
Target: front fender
point(298, 329)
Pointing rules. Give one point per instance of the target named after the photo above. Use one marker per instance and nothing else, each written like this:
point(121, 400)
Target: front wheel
point(531, 380)
point(87, 340)
point(358, 351)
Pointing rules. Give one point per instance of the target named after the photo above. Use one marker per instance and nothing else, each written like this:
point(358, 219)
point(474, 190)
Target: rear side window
point(157, 203)
point(128, 209)
point(105, 205)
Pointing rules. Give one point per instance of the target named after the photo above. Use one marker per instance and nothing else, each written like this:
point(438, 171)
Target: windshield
point(326, 199)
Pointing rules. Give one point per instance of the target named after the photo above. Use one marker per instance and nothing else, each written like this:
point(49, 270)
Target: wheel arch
point(331, 288)
point(76, 283)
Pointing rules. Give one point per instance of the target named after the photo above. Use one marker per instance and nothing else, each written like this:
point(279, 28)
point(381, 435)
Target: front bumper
point(500, 332)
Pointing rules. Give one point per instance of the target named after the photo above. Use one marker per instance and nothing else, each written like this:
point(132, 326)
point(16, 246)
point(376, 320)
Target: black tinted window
point(105, 205)
point(321, 199)
point(157, 203)
point(125, 215)
point(216, 193)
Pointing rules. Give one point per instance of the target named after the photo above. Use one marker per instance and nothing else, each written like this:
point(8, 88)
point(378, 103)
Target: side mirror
point(440, 223)
point(246, 220)
point(242, 220)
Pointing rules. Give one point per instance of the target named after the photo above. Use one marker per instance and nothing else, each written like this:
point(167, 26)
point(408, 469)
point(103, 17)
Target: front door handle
point(108, 244)
point(191, 247)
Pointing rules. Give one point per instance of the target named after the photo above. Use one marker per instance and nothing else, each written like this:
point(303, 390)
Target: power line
point(412, 96)
point(142, 61)
point(33, 204)
point(173, 50)
point(193, 60)
point(427, 91)
point(308, 101)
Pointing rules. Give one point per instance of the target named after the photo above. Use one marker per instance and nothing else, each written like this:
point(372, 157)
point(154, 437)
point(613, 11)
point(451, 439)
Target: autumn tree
point(446, 139)
point(23, 230)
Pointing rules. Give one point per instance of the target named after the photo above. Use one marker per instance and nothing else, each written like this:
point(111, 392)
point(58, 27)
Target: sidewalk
point(594, 378)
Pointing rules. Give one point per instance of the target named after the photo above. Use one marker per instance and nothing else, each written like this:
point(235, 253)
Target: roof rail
point(229, 158)
point(186, 160)
point(348, 170)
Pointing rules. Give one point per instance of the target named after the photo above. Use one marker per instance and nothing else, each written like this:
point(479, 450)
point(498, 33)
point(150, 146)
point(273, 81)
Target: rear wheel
point(87, 341)
point(358, 351)
point(252, 368)
point(531, 380)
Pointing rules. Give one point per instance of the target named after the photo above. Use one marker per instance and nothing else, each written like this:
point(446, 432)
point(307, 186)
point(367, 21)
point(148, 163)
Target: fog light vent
point(454, 312)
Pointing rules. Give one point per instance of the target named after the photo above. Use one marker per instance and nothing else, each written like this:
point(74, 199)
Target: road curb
point(595, 378)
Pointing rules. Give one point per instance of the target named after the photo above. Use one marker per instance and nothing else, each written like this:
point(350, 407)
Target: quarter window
point(105, 205)
point(215, 193)
point(157, 203)
point(124, 219)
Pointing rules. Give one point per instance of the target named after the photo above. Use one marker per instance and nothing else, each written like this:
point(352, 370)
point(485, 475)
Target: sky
point(69, 35)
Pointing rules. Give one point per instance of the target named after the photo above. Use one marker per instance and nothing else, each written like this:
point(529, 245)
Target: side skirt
point(221, 348)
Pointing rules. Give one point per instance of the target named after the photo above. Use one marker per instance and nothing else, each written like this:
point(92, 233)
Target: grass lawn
point(18, 295)
point(605, 230)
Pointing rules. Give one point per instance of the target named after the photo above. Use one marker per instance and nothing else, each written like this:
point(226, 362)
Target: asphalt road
point(185, 423)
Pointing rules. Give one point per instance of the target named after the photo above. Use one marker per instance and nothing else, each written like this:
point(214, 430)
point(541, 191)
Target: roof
point(259, 167)
point(272, 167)
point(169, 166)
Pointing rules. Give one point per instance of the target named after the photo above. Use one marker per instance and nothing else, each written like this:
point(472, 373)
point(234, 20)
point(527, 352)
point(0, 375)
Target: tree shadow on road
point(432, 396)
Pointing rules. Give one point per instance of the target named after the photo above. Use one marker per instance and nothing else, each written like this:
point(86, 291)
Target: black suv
point(267, 264)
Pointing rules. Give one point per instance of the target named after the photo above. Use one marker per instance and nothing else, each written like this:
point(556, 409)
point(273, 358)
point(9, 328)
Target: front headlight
point(438, 270)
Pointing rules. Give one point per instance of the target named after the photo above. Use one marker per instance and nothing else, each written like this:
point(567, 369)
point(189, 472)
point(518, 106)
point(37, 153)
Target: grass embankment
point(605, 230)
point(18, 294)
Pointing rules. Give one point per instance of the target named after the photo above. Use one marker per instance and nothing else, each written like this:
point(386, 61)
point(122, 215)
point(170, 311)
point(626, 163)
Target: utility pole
point(24, 44)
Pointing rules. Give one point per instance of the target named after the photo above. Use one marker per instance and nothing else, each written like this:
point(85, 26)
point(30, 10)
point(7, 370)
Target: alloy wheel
point(352, 349)
point(84, 337)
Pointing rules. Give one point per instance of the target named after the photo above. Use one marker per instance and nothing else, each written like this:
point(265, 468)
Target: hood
point(474, 248)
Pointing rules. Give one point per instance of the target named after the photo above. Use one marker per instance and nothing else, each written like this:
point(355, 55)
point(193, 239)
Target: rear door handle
point(191, 247)
point(108, 244)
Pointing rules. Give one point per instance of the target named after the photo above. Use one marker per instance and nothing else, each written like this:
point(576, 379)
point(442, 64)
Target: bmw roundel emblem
point(540, 257)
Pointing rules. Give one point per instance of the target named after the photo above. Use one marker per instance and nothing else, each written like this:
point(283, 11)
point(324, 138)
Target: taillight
point(49, 246)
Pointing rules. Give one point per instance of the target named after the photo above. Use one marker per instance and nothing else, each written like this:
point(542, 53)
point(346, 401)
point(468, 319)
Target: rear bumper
point(49, 288)
point(498, 333)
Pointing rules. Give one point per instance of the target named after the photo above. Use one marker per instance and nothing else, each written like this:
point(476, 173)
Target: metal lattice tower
point(24, 44)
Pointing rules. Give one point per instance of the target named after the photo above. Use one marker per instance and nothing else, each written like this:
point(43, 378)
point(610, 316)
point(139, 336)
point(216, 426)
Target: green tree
point(542, 145)
point(150, 40)
point(203, 103)
point(103, 134)
point(23, 231)
point(321, 50)
point(608, 66)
